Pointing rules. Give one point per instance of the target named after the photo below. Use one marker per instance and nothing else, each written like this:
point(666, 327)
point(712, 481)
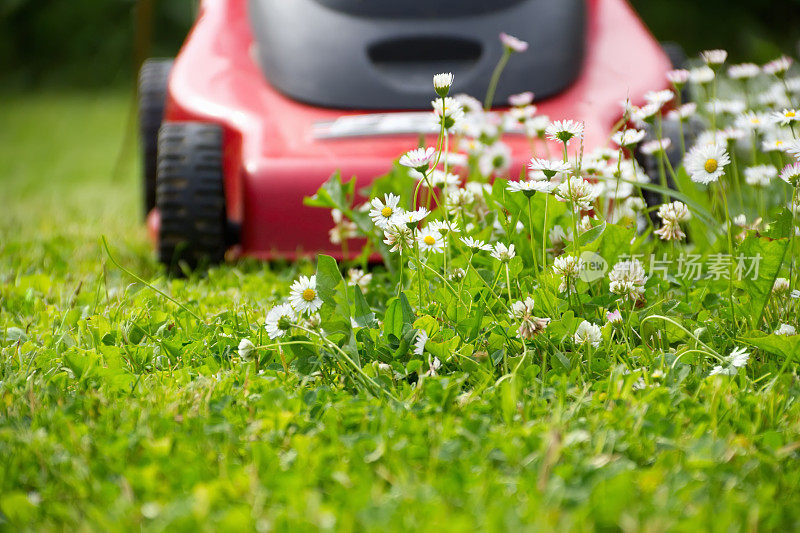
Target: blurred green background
point(97, 43)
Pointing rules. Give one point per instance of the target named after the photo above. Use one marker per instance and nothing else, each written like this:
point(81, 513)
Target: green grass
point(120, 411)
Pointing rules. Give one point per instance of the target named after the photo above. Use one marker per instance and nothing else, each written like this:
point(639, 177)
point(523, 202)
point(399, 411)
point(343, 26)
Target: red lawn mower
point(267, 98)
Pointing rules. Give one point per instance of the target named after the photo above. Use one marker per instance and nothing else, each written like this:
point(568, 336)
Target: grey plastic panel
point(331, 58)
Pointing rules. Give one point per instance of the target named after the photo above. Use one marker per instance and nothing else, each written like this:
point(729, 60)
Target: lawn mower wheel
point(153, 77)
point(190, 195)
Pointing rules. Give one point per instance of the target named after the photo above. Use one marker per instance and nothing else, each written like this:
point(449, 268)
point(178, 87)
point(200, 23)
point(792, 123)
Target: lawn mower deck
point(269, 149)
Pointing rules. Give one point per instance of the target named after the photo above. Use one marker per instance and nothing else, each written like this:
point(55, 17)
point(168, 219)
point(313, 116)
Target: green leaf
point(769, 255)
point(364, 316)
point(787, 346)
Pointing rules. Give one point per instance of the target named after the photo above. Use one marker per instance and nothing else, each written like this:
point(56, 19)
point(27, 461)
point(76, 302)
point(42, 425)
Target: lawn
point(120, 410)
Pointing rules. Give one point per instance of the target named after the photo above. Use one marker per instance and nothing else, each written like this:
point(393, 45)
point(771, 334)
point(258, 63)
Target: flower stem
point(530, 230)
point(487, 103)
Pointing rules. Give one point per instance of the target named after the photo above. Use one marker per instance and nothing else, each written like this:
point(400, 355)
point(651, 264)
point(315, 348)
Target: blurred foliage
point(88, 43)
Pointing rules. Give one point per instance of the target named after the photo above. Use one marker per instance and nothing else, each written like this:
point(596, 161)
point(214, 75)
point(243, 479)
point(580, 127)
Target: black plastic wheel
point(190, 195)
point(153, 77)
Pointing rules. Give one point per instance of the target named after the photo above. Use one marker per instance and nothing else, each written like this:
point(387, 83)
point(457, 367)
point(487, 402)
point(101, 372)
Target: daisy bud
point(512, 44)
point(442, 83)
point(714, 58)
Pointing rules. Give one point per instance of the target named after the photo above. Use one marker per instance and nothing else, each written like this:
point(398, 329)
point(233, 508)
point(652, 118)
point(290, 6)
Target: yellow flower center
point(790, 114)
point(429, 240)
point(309, 295)
point(711, 165)
point(778, 143)
point(386, 211)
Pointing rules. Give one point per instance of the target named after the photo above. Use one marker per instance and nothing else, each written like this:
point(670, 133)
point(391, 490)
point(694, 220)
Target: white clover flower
point(705, 164)
point(430, 240)
point(655, 146)
point(791, 174)
point(476, 244)
point(588, 333)
point(683, 113)
point(519, 309)
point(356, 276)
point(674, 212)
point(614, 317)
point(420, 340)
point(659, 98)
point(419, 159)
point(398, 237)
point(564, 130)
point(246, 349)
point(714, 57)
point(459, 199)
point(752, 121)
point(303, 295)
point(342, 229)
point(513, 44)
point(557, 235)
point(503, 253)
point(786, 330)
point(382, 212)
point(578, 192)
point(521, 99)
point(678, 77)
point(442, 83)
point(722, 371)
point(743, 71)
point(433, 366)
point(701, 75)
point(279, 320)
point(568, 267)
point(627, 138)
point(530, 325)
point(778, 67)
point(786, 117)
point(627, 279)
point(495, 160)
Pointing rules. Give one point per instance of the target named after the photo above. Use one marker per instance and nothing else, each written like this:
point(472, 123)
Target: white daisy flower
point(279, 320)
point(752, 121)
point(430, 240)
point(520, 115)
point(448, 110)
point(627, 138)
point(743, 71)
point(398, 237)
point(419, 342)
point(548, 167)
point(343, 228)
point(738, 358)
point(774, 144)
point(303, 295)
point(382, 212)
point(659, 98)
point(568, 268)
point(655, 146)
point(528, 188)
point(442, 83)
point(588, 333)
point(410, 217)
point(760, 175)
point(459, 199)
point(714, 57)
point(440, 178)
point(705, 164)
point(521, 99)
point(645, 114)
point(476, 244)
point(495, 160)
point(683, 113)
point(786, 117)
point(731, 107)
point(578, 192)
point(469, 104)
point(793, 149)
point(444, 227)
point(791, 174)
point(627, 279)
point(513, 44)
point(564, 130)
point(778, 67)
point(419, 159)
point(786, 329)
point(246, 349)
point(678, 77)
point(537, 126)
point(722, 371)
point(701, 75)
point(503, 253)
point(356, 276)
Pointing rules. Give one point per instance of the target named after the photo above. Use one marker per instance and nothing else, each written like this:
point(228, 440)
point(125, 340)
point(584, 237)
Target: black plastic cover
point(367, 54)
